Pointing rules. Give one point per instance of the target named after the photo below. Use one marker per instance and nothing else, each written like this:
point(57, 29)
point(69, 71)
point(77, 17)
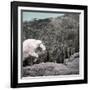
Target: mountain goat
point(32, 48)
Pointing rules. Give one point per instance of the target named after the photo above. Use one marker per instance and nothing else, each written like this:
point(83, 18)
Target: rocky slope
point(60, 35)
point(51, 69)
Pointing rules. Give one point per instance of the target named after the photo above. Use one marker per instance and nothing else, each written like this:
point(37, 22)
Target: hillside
point(71, 67)
point(60, 35)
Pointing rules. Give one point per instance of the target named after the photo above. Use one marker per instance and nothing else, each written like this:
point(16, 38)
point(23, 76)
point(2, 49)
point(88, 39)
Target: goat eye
point(39, 49)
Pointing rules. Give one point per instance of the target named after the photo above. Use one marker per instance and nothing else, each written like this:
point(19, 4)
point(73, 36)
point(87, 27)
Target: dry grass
point(50, 68)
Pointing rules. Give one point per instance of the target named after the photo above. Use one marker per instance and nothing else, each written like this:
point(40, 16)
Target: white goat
point(32, 47)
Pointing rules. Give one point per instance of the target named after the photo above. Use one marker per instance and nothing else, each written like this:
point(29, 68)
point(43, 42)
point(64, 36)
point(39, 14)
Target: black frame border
point(14, 43)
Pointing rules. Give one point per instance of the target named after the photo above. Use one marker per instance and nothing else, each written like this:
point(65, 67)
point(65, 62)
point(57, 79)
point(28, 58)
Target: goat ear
point(42, 46)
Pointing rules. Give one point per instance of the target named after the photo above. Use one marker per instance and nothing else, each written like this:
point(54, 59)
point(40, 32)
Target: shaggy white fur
point(30, 46)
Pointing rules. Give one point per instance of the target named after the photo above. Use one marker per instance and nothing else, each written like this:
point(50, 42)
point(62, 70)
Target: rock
point(49, 69)
point(75, 55)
